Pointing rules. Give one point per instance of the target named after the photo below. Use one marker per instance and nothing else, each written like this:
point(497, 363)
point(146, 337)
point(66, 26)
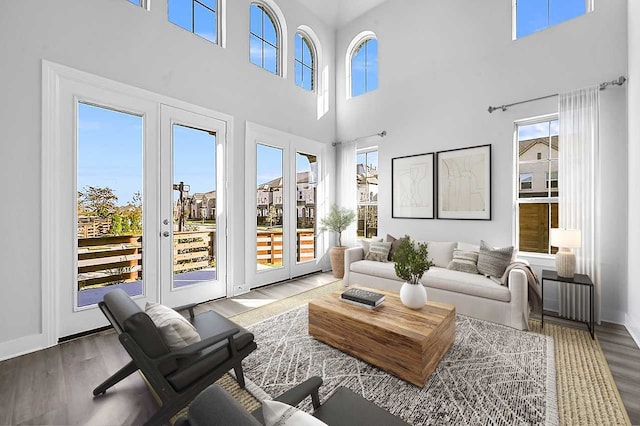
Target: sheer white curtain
point(346, 191)
point(578, 174)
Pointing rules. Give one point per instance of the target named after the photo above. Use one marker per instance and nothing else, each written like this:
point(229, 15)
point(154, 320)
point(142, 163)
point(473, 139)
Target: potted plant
point(411, 262)
point(337, 221)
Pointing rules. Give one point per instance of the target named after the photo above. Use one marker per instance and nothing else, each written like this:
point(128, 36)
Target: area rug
point(491, 375)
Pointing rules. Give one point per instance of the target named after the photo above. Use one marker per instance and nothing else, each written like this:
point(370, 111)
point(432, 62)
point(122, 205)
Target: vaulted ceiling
point(339, 12)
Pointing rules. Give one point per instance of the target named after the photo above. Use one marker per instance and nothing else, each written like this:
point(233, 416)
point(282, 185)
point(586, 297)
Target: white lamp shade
point(566, 238)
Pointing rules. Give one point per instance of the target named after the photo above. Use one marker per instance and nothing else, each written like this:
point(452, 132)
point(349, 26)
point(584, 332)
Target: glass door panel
point(109, 203)
point(306, 192)
point(270, 208)
point(194, 201)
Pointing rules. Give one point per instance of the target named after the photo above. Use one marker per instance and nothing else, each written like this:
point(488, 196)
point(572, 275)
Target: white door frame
point(199, 292)
point(290, 144)
point(57, 251)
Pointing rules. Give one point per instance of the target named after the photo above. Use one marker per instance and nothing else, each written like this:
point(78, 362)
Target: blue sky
point(536, 15)
point(538, 130)
point(197, 17)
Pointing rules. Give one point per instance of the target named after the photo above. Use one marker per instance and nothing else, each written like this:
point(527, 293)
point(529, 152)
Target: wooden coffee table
point(405, 342)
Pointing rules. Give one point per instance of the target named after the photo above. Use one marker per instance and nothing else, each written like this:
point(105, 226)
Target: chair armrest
point(188, 307)
point(195, 348)
point(297, 394)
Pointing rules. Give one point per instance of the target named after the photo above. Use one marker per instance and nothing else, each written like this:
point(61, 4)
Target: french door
point(284, 192)
point(141, 198)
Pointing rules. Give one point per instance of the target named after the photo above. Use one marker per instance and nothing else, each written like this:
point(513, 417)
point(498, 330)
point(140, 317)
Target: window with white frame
point(264, 38)
point(201, 17)
point(530, 16)
point(367, 182)
point(363, 65)
point(305, 60)
point(537, 147)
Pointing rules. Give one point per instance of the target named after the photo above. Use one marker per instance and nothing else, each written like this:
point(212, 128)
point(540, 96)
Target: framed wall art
point(464, 183)
point(412, 186)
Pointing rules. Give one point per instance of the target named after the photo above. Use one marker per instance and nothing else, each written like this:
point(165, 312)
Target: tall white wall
point(117, 40)
point(633, 296)
point(442, 63)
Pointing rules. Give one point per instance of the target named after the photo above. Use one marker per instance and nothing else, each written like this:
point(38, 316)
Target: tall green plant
point(337, 221)
point(411, 260)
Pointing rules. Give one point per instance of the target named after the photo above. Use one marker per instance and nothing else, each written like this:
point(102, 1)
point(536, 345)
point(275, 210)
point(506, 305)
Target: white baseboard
point(22, 345)
point(633, 326)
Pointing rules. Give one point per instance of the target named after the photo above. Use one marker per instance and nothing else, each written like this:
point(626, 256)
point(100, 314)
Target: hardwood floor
point(54, 386)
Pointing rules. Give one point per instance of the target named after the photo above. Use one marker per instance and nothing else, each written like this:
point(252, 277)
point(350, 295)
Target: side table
point(578, 279)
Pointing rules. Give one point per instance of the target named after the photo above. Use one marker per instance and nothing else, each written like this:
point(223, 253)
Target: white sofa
point(473, 295)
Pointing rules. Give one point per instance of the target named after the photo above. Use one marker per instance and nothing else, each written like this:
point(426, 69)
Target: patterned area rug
point(492, 374)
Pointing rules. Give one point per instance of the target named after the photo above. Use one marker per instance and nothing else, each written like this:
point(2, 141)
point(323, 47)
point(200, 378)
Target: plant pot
point(336, 254)
point(413, 296)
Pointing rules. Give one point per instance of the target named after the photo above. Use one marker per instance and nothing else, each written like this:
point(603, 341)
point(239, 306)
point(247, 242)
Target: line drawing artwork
point(464, 184)
point(413, 186)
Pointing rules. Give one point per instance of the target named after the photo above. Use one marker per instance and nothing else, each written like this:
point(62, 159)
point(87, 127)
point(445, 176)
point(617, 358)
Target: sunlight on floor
point(253, 303)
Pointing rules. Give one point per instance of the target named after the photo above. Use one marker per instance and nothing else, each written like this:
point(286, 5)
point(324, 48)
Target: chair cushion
point(277, 413)
point(175, 329)
point(209, 324)
point(136, 323)
point(347, 408)
point(215, 407)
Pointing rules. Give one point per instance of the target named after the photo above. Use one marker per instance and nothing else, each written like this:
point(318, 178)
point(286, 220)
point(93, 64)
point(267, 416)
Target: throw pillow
point(366, 242)
point(379, 251)
point(468, 247)
point(440, 253)
point(493, 261)
point(175, 330)
point(278, 413)
point(395, 242)
point(464, 261)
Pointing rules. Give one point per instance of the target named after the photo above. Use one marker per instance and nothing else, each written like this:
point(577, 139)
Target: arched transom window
point(264, 39)
point(364, 66)
point(305, 68)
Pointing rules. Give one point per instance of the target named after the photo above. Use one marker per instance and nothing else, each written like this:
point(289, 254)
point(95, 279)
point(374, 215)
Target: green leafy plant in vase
point(337, 221)
point(411, 262)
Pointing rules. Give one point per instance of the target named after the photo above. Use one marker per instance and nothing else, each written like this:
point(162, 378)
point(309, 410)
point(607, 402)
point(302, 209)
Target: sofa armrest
point(352, 254)
point(519, 299)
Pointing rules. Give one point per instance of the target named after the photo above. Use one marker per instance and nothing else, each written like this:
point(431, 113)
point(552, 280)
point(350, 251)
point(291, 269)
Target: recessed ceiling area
point(339, 12)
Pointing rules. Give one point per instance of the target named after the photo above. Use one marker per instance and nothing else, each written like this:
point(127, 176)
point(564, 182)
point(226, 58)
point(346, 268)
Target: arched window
point(305, 62)
point(363, 64)
point(264, 40)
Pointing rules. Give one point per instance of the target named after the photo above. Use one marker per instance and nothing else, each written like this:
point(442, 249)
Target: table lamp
point(565, 239)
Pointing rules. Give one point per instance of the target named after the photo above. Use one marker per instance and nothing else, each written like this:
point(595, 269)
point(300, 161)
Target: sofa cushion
point(494, 261)
point(464, 261)
point(366, 242)
point(379, 251)
point(462, 282)
point(440, 253)
point(395, 243)
point(377, 269)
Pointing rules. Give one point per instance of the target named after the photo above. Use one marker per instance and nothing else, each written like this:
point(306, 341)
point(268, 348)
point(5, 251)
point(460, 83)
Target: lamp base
point(565, 263)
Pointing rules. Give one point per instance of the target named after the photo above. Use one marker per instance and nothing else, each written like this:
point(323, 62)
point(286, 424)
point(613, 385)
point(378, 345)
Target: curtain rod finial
point(382, 134)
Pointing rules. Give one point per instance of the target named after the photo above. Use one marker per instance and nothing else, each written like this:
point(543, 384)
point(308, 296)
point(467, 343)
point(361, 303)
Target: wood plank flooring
point(54, 386)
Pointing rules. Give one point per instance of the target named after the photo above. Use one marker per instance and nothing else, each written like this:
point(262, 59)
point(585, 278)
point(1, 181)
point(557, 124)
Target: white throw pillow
point(281, 414)
point(175, 330)
point(468, 247)
point(365, 243)
point(440, 253)
point(379, 251)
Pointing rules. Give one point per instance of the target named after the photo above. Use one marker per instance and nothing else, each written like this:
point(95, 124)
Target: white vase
point(413, 296)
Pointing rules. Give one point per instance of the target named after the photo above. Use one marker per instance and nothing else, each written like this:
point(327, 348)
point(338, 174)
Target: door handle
point(166, 234)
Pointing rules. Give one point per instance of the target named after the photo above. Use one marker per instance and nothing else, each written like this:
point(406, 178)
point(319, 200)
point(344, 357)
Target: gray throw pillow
point(379, 251)
point(493, 261)
point(464, 261)
point(395, 242)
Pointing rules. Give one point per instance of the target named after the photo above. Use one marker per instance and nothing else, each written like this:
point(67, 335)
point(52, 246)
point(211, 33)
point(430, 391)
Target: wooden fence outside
point(111, 260)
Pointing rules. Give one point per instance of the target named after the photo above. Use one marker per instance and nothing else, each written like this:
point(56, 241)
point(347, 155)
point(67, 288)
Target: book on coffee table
point(362, 297)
